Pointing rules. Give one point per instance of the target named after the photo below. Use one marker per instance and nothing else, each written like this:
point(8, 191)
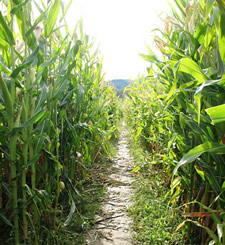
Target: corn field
point(178, 110)
point(57, 116)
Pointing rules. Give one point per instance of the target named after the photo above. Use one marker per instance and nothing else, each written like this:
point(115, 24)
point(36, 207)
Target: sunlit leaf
point(52, 17)
point(221, 37)
point(6, 30)
point(217, 113)
point(192, 155)
point(189, 66)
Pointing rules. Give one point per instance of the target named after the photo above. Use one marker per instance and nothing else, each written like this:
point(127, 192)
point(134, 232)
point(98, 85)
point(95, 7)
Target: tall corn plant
point(191, 88)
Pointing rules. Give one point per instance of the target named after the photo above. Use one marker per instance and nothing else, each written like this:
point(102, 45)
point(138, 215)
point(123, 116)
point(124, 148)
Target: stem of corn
point(13, 139)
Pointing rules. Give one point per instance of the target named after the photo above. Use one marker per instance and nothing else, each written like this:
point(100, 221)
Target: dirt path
point(113, 224)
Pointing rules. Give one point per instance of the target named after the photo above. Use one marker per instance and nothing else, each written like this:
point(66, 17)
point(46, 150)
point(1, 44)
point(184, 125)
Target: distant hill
point(120, 83)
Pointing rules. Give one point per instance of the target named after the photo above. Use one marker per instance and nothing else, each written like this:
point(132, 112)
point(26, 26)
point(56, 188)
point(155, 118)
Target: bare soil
point(113, 225)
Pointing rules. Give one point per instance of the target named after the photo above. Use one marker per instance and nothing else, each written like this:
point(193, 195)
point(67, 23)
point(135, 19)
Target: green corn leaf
point(174, 183)
point(75, 190)
point(221, 36)
point(193, 154)
point(66, 9)
point(136, 169)
point(43, 4)
point(6, 30)
point(19, 6)
point(7, 190)
point(9, 11)
point(206, 84)
point(209, 37)
point(43, 66)
point(4, 44)
point(220, 230)
point(32, 196)
point(209, 6)
point(60, 88)
point(150, 58)
point(172, 91)
point(76, 48)
point(211, 175)
point(43, 194)
point(52, 17)
point(37, 21)
point(138, 133)
point(25, 64)
point(4, 68)
point(175, 13)
point(189, 66)
point(198, 102)
point(36, 117)
point(7, 97)
point(181, 7)
point(209, 231)
point(38, 6)
point(217, 113)
point(2, 217)
point(201, 173)
point(200, 33)
point(32, 161)
point(32, 226)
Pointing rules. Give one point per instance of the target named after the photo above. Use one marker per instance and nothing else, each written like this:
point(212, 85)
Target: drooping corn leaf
point(193, 154)
point(190, 67)
point(206, 84)
point(209, 231)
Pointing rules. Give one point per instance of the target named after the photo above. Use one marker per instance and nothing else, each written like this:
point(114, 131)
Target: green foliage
point(57, 117)
point(177, 111)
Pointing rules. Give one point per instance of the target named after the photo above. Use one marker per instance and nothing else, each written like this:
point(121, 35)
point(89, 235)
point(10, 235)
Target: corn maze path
point(113, 225)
